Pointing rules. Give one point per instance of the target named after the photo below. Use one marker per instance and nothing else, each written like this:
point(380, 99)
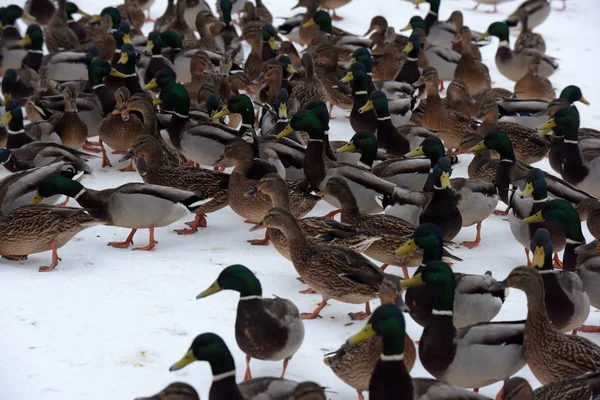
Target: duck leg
point(527, 255)
point(361, 315)
point(332, 214)
point(55, 259)
point(502, 213)
point(557, 263)
point(151, 242)
point(123, 245)
point(105, 160)
point(91, 146)
point(316, 312)
point(199, 221)
point(285, 364)
point(260, 242)
point(248, 375)
point(475, 243)
point(590, 328)
point(130, 167)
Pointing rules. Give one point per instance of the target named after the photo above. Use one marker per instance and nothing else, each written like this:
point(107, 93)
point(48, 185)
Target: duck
point(469, 69)
point(364, 185)
point(57, 33)
point(393, 231)
point(154, 167)
point(323, 230)
point(126, 206)
point(212, 348)
point(334, 273)
point(526, 38)
point(537, 11)
point(472, 356)
point(555, 355)
point(532, 85)
point(475, 300)
point(354, 363)
point(513, 64)
point(565, 300)
point(39, 154)
point(529, 147)
point(580, 387)
point(37, 228)
point(390, 378)
point(18, 189)
point(367, 120)
point(175, 391)
point(449, 125)
point(265, 329)
point(580, 160)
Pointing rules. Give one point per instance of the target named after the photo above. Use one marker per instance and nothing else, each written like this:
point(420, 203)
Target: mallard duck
point(321, 229)
point(20, 134)
point(19, 85)
point(566, 302)
point(265, 329)
point(458, 97)
point(18, 189)
point(389, 137)
point(39, 154)
point(119, 133)
point(537, 12)
point(469, 69)
point(210, 347)
point(442, 58)
point(158, 61)
point(126, 206)
point(367, 120)
point(532, 85)
point(472, 356)
point(364, 185)
point(354, 363)
point(580, 161)
point(33, 41)
point(451, 126)
point(527, 145)
point(41, 10)
point(563, 213)
point(475, 300)
point(58, 34)
point(154, 167)
point(550, 354)
point(513, 64)
point(36, 228)
point(334, 273)
point(528, 39)
point(175, 391)
point(390, 378)
point(392, 230)
point(580, 387)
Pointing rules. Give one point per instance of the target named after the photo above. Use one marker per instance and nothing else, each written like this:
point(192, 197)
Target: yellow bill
point(406, 248)
point(288, 129)
point(366, 333)
point(188, 358)
point(537, 217)
point(214, 288)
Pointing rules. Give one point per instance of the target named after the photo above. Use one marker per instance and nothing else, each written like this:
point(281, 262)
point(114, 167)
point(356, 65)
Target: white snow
point(108, 323)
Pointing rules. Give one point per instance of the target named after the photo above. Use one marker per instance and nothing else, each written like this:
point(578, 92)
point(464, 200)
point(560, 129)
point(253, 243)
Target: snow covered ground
point(108, 323)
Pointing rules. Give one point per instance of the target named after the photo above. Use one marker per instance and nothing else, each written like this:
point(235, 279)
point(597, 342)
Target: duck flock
point(228, 107)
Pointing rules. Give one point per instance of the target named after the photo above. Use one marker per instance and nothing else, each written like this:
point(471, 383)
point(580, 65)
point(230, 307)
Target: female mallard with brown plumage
point(265, 329)
point(36, 228)
point(335, 273)
point(550, 354)
point(354, 363)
